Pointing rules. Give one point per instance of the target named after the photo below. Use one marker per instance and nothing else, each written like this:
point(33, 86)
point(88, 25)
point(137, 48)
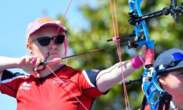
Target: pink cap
point(40, 22)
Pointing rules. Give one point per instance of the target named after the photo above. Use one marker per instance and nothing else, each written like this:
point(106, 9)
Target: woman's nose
point(52, 44)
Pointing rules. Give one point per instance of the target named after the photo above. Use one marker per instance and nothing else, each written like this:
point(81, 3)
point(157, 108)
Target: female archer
point(50, 84)
point(169, 67)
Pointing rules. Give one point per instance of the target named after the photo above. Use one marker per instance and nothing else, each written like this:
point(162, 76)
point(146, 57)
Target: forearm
point(7, 62)
point(110, 76)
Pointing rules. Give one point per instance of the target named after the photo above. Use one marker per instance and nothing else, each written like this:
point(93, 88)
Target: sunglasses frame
point(46, 40)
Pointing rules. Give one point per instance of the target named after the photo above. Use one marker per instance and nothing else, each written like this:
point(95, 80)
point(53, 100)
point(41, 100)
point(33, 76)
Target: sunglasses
point(45, 40)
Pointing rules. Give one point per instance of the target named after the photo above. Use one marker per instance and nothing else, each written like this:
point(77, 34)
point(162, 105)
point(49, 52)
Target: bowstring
point(52, 72)
point(113, 10)
point(66, 10)
point(61, 81)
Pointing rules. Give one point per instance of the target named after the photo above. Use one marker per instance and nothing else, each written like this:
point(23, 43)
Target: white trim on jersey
point(0, 77)
point(11, 79)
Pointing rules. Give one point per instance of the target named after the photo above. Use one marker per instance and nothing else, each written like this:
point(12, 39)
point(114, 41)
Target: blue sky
point(16, 14)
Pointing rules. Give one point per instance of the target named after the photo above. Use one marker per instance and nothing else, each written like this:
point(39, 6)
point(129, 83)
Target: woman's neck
point(50, 69)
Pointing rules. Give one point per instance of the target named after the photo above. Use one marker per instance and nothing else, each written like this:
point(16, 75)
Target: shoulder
point(88, 75)
point(67, 71)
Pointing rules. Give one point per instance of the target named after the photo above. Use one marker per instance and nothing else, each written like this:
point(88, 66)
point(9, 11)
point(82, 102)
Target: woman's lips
point(53, 54)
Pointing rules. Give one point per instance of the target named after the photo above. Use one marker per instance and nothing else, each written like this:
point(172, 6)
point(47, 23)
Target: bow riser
point(150, 85)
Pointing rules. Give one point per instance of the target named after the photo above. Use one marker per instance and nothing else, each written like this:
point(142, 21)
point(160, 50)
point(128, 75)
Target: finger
point(24, 60)
point(21, 61)
point(39, 65)
point(33, 61)
point(28, 59)
point(38, 61)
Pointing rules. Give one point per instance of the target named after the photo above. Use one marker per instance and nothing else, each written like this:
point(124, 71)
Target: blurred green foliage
point(164, 30)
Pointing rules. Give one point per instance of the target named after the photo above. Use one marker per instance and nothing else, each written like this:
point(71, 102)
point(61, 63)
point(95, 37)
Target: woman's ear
point(29, 48)
point(29, 43)
point(29, 51)
point(162, 81)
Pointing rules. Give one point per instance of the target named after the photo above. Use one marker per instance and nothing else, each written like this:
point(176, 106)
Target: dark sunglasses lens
point(44, 41)
point(59, 39)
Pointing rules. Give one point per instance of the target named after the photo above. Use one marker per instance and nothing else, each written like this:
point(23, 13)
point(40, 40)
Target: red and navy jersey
point(54, 92)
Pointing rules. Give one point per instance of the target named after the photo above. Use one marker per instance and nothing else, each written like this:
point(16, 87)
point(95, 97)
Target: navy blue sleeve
point(9, 75)
point(92, 75)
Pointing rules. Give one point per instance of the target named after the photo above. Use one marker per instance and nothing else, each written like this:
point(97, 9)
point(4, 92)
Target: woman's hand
point(28, 63)
point(31, 64)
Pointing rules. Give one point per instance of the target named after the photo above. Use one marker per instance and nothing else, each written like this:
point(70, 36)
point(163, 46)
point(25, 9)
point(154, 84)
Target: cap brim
point(61, 28)
point(176, 68)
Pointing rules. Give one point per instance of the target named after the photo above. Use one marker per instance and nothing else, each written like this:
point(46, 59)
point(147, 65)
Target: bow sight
point(173, 9)
point(155, 96)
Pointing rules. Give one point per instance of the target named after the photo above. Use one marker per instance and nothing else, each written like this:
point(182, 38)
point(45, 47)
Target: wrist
point(7, 63)
point(137, 62)
point(16, 62)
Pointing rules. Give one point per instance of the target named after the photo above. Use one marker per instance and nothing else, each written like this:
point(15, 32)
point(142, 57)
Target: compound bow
point(155, 95)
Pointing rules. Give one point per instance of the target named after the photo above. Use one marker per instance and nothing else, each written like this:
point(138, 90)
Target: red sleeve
point(10, 82)
point(87, 82)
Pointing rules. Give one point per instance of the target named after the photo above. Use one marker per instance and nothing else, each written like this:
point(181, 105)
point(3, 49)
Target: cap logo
point(177, 56)
point(161, 67)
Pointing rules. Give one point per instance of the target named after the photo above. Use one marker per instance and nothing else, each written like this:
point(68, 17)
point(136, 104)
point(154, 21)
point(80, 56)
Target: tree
point(163, 30)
